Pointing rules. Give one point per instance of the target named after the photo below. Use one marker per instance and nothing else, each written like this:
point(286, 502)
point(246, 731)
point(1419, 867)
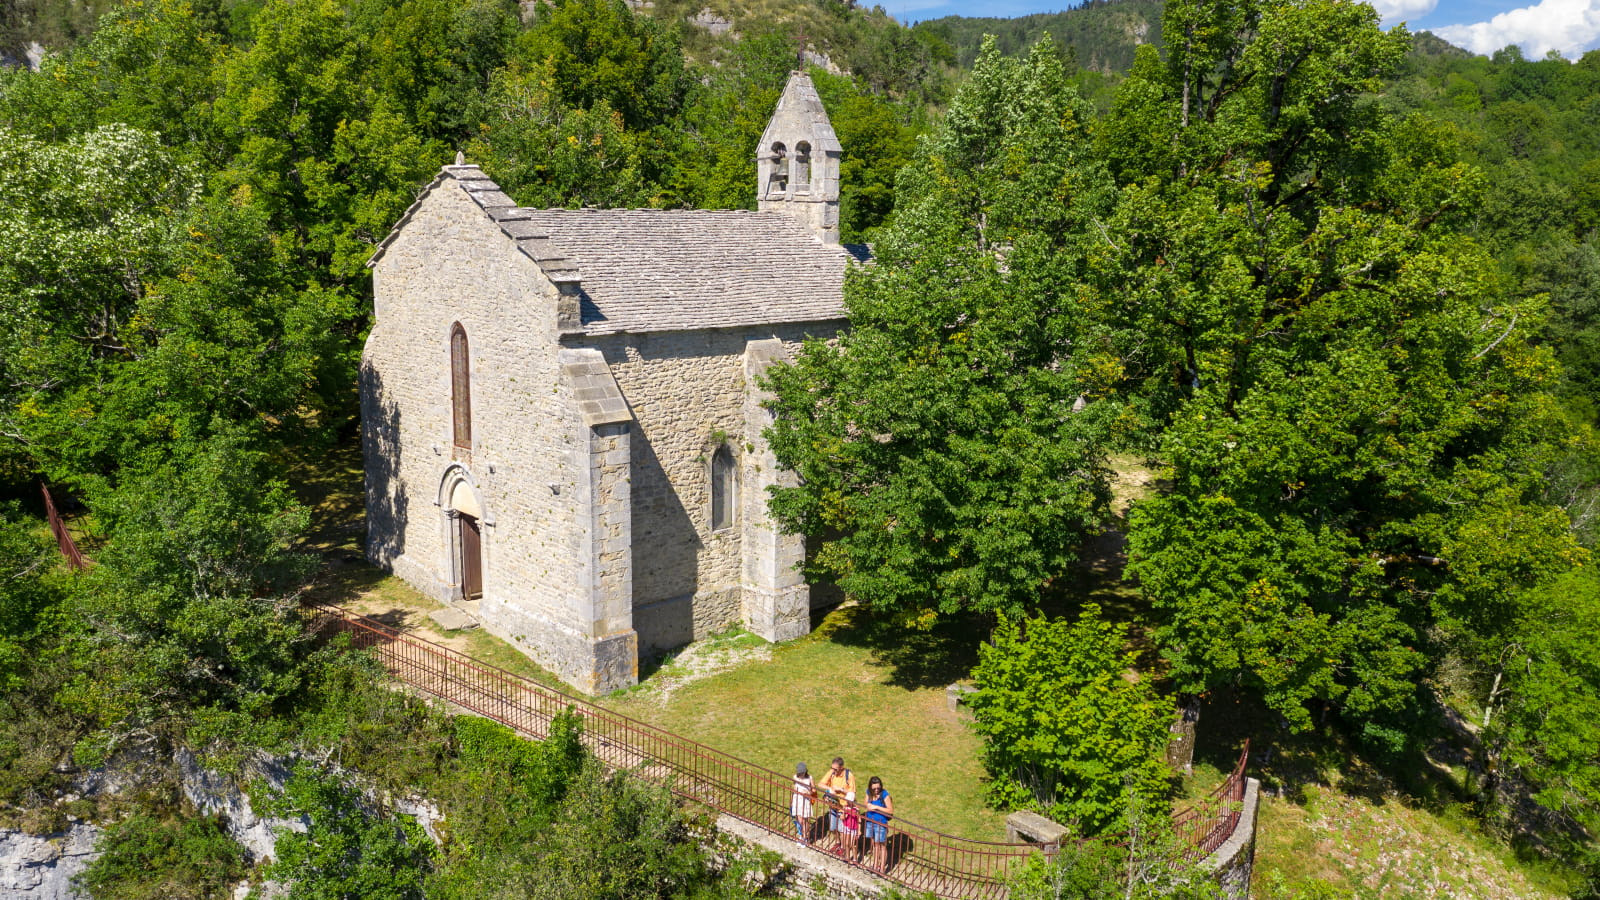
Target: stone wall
point(1234, 862)
point(526, 438)
point(807, 873)
point(690, 392)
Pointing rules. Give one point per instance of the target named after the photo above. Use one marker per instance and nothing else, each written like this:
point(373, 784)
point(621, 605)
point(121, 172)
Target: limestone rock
point(36, 867)
point(215, 794)
point(710, 21)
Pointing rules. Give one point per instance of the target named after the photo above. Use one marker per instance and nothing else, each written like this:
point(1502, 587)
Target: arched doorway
point(463, 507)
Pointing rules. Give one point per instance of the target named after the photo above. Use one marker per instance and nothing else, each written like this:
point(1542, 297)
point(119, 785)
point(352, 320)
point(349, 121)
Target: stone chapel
point(561, 420)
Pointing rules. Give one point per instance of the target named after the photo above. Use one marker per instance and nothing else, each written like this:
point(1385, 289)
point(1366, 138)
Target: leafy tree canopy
point(1356, 418)
point(938, 453)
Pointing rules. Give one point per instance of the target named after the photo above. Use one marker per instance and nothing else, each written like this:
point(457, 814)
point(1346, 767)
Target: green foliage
point(938, 459)
point(1351, 404)
point(348, 849)
point(545, 154)
point(188, 623)
point(1100, 35)
point(136, 315)
point(545, 820)
point(144, 858)
point(1542, 698)
point(28, 599)
point(877, 145)
point(597, 52)
point(36, 734)
point(1148, 863)
point(1068, 726)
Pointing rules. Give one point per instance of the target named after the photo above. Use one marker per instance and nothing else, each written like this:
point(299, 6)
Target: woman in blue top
point(880, 809)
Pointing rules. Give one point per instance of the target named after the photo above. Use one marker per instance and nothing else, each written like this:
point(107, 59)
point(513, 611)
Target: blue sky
point(1482, 26)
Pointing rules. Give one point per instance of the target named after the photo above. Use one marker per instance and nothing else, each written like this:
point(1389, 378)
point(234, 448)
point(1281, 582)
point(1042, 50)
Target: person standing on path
point(880, 809)
point(838, 782)
point(800, 803)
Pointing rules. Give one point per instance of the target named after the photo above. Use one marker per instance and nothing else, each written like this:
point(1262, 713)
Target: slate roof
point(644, 270)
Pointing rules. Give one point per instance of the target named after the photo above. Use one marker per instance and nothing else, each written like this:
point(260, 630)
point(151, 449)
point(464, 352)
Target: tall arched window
point(802, 166)
point(460, 388)
point(724, 488)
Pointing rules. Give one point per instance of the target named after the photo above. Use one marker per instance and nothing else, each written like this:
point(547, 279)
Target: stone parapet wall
point(1234, 862)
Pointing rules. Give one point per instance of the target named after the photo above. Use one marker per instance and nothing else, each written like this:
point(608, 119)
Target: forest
point(1338, 285)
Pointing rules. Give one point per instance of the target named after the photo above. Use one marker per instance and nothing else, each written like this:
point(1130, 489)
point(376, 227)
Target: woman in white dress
point(800, 804)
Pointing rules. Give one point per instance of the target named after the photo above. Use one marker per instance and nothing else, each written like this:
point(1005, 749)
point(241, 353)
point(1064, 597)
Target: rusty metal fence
point(918, 858)
point(1207, 825)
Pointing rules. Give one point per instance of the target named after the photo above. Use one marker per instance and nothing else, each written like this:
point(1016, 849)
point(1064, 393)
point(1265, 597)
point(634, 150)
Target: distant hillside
point(839, 35)
point(1102, 34)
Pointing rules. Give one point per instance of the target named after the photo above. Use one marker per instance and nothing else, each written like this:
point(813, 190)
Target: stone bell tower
point(797, 161)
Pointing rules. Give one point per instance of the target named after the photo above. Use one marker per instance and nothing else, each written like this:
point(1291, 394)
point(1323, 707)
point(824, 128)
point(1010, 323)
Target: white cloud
point(1394, 11)
point(1570, 26)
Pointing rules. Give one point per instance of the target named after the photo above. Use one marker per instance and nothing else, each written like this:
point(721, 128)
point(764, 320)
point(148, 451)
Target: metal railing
point(1209, 823)
point(918, 858)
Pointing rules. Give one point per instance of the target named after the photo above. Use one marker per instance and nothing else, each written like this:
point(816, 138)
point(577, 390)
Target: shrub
point(1068, 729)
point(146, 858)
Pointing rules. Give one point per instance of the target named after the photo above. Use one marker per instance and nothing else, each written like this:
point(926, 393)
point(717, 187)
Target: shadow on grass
point(918, 658)
point(948, 651)
point(1287, 762)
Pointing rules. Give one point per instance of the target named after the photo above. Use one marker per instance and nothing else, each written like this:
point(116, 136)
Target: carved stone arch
point(459, 484)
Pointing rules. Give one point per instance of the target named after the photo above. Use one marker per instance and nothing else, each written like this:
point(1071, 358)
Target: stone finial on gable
point(797, 161)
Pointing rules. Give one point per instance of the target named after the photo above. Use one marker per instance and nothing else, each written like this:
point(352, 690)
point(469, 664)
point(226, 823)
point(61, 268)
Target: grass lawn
point(830, 694)
point(1387, 847)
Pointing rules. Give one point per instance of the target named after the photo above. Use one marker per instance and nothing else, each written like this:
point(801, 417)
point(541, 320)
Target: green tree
point(148, 66)
point(1541, 700)
point(331, 157)
point(28, 600)
point(545, 154)
point(1068, 726)
point(140, 320)
point(940, 458)
point(877, 145)
point(1356, 419)
point(349, 849)
point(593, 52)
point(546, 820)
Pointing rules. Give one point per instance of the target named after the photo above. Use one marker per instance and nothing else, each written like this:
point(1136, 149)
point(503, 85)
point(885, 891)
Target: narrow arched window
point(802, 166)
point(460, 388)
point(724, 488)
point(778, 180)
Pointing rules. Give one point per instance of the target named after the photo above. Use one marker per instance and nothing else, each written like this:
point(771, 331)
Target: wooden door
point(471, 559)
